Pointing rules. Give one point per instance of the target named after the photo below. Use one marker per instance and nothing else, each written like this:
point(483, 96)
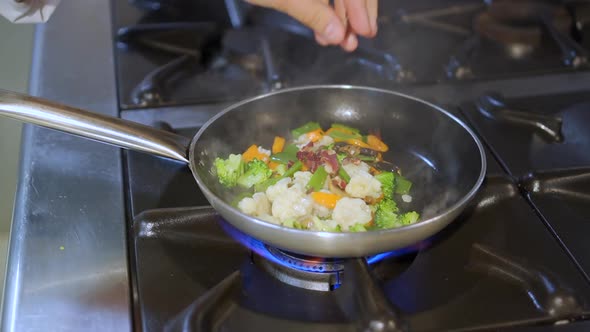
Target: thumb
point(315, 14)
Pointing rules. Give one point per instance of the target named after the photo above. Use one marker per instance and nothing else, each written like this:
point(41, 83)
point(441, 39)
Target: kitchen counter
point(67, 266)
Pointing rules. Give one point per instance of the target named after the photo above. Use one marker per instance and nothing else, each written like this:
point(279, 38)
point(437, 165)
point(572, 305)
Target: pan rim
point(337, 235)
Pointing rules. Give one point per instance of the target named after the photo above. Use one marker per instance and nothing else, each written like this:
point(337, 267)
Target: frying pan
point(435, 150)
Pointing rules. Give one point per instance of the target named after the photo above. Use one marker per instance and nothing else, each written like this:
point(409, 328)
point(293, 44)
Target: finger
point(320, 40)
point(340, 9)
point(350, 42)
point(349, 39)
point(373, 10)
point(358, 17)
point(317, 15)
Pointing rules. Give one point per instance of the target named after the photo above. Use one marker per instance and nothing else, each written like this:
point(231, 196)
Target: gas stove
point(517, 258)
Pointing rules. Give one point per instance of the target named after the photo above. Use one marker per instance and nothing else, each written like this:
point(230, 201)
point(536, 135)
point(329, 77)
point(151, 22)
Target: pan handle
point(106, 129)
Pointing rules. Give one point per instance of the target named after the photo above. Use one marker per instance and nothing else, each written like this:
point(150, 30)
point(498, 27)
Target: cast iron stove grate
point(496, 266)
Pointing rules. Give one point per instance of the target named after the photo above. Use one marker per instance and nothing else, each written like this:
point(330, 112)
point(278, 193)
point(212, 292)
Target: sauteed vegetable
point(333, 180)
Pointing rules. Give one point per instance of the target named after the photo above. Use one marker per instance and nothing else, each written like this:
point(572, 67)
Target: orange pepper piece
point(342, 130)
point(273, 165)
point(358, 142)
point(315, 135)
point(376, 144)
point(252, 153)
point(374, 171)
point(328, 200)
point(278, 144)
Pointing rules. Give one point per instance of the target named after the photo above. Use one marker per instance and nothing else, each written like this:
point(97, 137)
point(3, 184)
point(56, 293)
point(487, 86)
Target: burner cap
point(321, 274)
point(519, 22)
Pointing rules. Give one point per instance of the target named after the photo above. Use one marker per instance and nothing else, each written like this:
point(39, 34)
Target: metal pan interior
point(436, 151)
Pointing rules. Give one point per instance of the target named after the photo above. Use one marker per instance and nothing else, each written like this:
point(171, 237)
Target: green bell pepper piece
point(295, 168)
point(288, 154)
point(318, 179)
point(306, 128)
point(402, 185)
point(335, 134)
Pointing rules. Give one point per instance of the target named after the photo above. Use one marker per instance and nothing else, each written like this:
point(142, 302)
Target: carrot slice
point(252, 153)
point(328, 200)
point(376, 144)
point(278, 144)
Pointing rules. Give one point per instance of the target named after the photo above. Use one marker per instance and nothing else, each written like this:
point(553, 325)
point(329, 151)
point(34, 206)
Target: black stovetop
point(517, 258)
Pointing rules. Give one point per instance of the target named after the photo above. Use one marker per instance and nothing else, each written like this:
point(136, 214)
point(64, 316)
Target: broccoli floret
point(325, 225)
point(386, 214)
point(257, 171)
point(292, 223)
point(229, 170)
point(387, 183)
point(357, 228)
point(409, 218)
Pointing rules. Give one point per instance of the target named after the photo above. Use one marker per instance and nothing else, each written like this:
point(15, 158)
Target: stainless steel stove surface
point(188, 52)
point(517, 258)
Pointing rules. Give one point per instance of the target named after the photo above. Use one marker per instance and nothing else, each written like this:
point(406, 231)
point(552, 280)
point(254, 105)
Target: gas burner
point(315, 273)
point(520, 22)
point(519, 26)
point(321, 274)
point(192, 56)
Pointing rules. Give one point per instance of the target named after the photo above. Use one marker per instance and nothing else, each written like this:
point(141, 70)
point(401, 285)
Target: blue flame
point(251, 243)
point(396, 253)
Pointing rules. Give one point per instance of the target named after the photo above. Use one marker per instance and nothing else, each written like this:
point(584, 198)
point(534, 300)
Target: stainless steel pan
point(435, 150)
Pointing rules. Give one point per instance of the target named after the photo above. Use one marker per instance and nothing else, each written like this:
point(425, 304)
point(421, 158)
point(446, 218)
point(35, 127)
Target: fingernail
point(332, 31)
point(351, 43)
point(351, 40)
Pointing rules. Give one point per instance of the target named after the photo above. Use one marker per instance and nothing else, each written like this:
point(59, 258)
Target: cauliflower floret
point(350, 211)
point(277, 189)
point(264, 151)
point(353, 169)
point(302, 141)
point(292, 205)
point(321, 211)
point(269, 218)
point(257, 205)
point(300, 180)
point(363, 185)
point(325, 141)
point(247, 205)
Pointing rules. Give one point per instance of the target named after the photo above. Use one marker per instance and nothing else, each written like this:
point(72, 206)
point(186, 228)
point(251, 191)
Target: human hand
point(339, 24)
